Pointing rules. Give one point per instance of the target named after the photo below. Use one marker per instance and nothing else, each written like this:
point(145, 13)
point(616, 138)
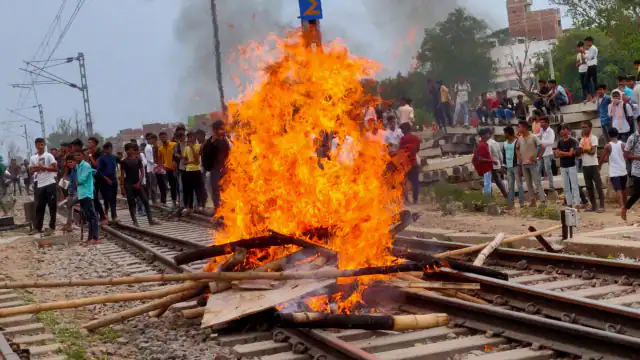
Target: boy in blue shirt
point(603, 100)
point(84, 178)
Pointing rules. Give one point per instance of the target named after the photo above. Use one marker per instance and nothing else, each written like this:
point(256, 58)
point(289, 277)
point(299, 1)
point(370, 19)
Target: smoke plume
point(388, 31)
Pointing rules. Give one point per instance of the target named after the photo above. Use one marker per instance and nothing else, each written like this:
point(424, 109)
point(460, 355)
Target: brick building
point(534, 25)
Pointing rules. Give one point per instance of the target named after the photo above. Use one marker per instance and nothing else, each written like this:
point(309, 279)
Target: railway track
point(553, 305)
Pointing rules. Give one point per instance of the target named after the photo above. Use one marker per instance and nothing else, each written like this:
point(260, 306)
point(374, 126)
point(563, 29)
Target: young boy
point(590, 166)
point(511, 166)
point(614, 154)
point(84, 178)
point(107, 171)
point(192, 176)
point(411, 144)
point(581, 64)
point(566, 151)
point(133, 175)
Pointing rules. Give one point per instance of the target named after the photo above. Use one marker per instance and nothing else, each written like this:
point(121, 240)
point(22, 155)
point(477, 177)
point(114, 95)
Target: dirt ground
point(515, 222)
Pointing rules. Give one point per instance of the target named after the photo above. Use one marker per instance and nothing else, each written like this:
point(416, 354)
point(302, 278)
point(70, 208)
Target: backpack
point(569, 96)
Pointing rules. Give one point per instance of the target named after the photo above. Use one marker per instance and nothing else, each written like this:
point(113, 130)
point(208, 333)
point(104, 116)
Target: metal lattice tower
point(85, 94)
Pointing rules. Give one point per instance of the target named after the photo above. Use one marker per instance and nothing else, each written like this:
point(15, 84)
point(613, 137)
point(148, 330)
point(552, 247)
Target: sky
point(150, 60)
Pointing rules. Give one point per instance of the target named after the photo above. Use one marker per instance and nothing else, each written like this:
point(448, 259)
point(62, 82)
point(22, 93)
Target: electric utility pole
point(40, 122)
point(310, 15)
point(85, 94)
point(218, 57)
point(26, 139)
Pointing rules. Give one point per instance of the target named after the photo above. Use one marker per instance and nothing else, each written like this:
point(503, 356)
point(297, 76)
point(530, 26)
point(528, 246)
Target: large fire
point(275, 179)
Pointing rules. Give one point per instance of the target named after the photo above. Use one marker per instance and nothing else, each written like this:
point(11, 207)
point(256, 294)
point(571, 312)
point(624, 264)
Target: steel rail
point(568, 309)
point(319, 345)
point(6, 352)
point(538, 260)
point(574, 339)
point(158, 256)
point(150, 233)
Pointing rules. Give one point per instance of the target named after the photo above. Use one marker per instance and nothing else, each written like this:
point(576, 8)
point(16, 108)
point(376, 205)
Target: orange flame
point(274, 179)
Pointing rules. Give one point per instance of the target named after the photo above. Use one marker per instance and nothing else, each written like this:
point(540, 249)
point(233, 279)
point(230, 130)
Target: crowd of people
point(158, 169)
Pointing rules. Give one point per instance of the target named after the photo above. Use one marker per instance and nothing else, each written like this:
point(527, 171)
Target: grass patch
point(108, 334)
point(541, 212)
point(445, 194)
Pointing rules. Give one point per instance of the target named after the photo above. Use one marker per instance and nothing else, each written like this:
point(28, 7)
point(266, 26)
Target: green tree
point(618, 19)
point(67, 130)
point(457, 47)
point(611, 63)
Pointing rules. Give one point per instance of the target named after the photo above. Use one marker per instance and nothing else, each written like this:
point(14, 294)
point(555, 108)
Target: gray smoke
point(388, 31)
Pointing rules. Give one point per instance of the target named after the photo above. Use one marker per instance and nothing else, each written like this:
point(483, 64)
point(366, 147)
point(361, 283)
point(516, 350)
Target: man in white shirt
point(462, 90)
point(393, 135)
point(581, 63)
point(496, 154)
point(44, 167)
point(548, 139)
point(592, 63)
point(405, 112)
point(150, 168)
point(590, 168)
point(375, 134)
point(369, 114)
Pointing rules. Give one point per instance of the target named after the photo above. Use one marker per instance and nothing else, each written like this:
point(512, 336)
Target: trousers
point(215, 176)
point(192, 185)
point(45, 196)
point(134, 193)
point(532, 177)
point(89, 212)
point(413, 178)
point(513, 178)
point(464, 108)
point(570, 185)
point(545, 163)
point(593, 182)
point(109, 195)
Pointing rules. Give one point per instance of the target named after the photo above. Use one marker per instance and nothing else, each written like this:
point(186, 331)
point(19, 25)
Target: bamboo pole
point(193, 313)
point(445, 292)
point(142, 309)
point(479, 247)
point(488, 250)
point(69, 304)
point(224, 276)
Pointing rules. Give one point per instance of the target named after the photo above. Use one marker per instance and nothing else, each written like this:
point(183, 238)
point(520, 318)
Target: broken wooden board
point(259, 284)
point(236, 303)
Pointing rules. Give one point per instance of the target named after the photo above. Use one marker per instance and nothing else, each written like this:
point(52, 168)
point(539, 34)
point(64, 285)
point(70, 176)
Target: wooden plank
point(234, 304)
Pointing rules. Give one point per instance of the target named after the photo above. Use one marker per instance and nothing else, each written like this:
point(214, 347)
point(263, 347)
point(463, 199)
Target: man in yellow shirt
point(166, 169)
point(192, 176)
point(445, 104)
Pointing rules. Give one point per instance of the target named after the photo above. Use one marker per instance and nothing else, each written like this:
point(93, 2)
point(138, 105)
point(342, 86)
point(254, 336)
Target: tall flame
point(274, 178)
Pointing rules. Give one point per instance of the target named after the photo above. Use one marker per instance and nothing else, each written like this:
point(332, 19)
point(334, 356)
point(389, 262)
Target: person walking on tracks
point(133, 175)
point(107, 169)
point(43, 165)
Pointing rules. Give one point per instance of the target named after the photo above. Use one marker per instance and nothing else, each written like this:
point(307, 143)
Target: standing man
point(566, 151)
point(496, 155)
point(482, 161)
point(14, 170)
point(581, 64)
point(592, 63)
point(445, 104)
point(149, 153)
point(462, 90)
point(393, 135)
point(590, 166)
point(405, 112)
point(85, 182)
point(214, 157)
point(192, 176)
point(512, 167)
point(434, 97)
point(411, 144)
point(44, 167)
point(133, 175)
point(165, 161)
point(603, 100)
point(529, 149)
point(107, 170)
point(632, 153)
point(94, 154)
point(621, 115)
point(548, 139)
point(614, 153)
point(178, 151)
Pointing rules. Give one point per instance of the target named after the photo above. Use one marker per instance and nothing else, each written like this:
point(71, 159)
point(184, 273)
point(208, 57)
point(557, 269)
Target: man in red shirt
point(411, 144)
point(482, 160)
